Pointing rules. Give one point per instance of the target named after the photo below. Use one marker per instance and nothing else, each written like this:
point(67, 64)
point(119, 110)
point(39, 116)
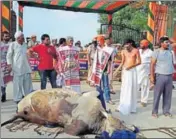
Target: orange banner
point(157, 22)
point(160, 16)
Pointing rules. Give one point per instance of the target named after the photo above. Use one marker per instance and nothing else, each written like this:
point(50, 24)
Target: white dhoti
point(144, 83)
point(22, 86)
point(143, 71)
point(128, 96)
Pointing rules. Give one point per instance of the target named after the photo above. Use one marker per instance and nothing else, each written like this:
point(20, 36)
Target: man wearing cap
point(143, 71)
point(33, 41)
point(18, 63)
point(68, 65)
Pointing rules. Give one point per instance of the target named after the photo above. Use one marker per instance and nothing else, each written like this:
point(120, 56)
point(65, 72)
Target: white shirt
point(17, 57)
point(144, 67)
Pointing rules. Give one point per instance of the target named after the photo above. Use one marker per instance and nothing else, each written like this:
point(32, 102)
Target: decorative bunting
point(151, 23)
point(20, 17)
point(101, 6)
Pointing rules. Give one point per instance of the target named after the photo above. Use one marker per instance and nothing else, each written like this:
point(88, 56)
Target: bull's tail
point(11, 120)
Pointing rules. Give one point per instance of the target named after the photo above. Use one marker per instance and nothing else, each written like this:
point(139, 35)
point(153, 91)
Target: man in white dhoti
point(4, 45)
point(143, 71)
point(128, 97)
point(18, 63)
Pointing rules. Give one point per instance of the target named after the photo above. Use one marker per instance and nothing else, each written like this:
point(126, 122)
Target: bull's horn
point(10, 120)
point(105, 114)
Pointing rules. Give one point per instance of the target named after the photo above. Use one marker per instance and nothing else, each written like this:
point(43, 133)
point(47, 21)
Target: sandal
point(155, 115)
point(113, 92)
point(168, 115)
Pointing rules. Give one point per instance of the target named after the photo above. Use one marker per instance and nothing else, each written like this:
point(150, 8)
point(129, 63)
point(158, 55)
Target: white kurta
point(21, 70)
point(128, 95)
point(143, 71)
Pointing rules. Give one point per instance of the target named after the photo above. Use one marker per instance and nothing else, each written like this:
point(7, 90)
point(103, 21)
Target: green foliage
point(135, 18)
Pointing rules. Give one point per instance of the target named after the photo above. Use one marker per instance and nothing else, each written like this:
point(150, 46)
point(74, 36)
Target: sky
point(57, 23)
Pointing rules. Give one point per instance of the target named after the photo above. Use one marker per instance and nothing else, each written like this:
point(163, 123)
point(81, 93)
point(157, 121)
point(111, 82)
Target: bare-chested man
point(130, 59)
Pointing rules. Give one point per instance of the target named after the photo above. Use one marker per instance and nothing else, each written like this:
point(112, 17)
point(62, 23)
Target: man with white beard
point(143, 71)
point(18, 63)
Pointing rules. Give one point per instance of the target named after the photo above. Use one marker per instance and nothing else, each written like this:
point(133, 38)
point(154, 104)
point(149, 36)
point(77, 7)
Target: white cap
point(18, 34)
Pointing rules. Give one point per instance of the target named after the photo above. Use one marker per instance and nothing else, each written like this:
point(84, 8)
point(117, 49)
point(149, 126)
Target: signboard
point(34, 66)
point(83, 64)
point(83, 61)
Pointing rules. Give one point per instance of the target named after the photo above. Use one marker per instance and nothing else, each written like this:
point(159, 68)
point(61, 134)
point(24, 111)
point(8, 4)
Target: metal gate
point(122, 32)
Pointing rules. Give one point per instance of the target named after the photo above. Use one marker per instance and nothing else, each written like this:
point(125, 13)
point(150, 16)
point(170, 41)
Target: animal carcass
point(76, 113)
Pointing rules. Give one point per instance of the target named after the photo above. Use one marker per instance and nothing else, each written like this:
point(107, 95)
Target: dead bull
point(77, 114)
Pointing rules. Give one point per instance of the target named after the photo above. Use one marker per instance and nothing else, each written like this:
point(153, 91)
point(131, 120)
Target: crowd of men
point(141, 67)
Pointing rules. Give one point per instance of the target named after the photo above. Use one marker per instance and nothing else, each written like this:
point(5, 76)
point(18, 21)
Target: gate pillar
point(20, 17)
point(110, 25)
point(5, 15)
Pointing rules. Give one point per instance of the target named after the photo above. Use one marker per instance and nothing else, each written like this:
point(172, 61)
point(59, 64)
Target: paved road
point(141, 119)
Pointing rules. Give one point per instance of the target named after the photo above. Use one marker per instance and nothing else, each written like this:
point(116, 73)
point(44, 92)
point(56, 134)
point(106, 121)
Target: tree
point(127, 18)
point(135, 18)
